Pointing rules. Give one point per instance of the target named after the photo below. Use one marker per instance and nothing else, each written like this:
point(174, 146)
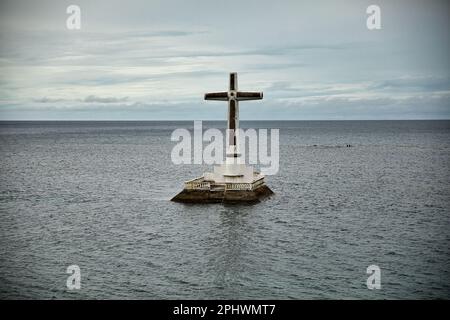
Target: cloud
point(139, 56)
point(403, 87)
point(47, 100)
point(93, 98)
point(88, 99)
point(424, 83)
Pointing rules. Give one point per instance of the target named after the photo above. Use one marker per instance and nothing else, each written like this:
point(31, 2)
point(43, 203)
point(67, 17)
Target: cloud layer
point(143, 60)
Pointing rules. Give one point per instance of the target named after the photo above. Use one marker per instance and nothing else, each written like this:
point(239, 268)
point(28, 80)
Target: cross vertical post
point(233, 96)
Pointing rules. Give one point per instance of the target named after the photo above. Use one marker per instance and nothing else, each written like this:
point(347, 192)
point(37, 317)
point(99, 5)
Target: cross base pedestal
point(233, 183)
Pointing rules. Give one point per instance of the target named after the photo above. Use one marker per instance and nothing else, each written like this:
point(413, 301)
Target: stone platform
point(203, 191)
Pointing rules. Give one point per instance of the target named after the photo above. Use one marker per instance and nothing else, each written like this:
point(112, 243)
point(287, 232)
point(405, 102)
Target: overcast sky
point(154, 60)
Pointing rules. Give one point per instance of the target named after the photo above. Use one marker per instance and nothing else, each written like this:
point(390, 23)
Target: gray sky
point(154, 60)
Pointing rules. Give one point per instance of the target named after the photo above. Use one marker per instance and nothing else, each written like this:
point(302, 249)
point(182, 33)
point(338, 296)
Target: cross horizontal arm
point(221, 96)
point(249, 95)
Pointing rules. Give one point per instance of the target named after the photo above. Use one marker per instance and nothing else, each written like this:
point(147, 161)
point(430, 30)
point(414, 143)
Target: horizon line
point(185, 120)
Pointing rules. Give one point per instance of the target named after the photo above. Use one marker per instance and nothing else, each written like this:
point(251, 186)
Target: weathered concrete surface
point(229, 196)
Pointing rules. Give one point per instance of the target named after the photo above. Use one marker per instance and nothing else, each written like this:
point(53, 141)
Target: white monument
point(232, 181)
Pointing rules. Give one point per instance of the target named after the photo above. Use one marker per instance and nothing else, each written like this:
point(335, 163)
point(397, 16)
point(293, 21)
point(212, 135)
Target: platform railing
point(201, 184)
point(238, 186)
point(197, 184)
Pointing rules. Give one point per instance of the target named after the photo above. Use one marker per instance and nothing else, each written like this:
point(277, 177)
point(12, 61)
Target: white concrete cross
point(233, 96)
